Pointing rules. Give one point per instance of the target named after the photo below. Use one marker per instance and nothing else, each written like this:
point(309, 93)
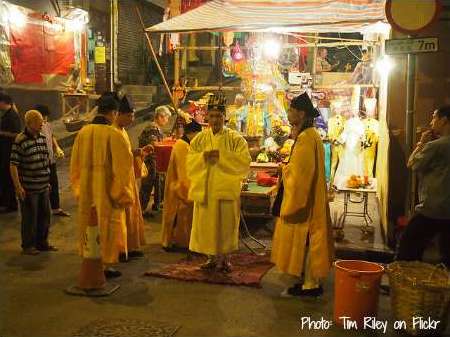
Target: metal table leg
point(367, 228)
point(245, 234)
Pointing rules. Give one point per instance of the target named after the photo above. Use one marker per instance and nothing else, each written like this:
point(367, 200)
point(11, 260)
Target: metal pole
point(220, 61)
point(155, 58)
point(410, 130)
point(114, 44)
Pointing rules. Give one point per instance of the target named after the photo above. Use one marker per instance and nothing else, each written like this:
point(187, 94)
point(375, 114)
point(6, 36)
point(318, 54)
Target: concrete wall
point(25, 99)
point(432, 90)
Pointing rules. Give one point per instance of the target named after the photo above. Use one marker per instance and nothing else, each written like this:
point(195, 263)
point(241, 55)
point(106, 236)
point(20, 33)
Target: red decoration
point(163, 151)
point(37, 50)
point(187, 5)
point(237, 54)
point(264, 179)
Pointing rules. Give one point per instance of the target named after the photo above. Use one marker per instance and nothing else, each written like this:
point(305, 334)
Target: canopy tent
point(278, 16)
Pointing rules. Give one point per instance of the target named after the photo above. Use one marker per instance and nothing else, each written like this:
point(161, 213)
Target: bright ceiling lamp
point(384, 65)
point(271, 49)
point(16, 17)
point(74, 25)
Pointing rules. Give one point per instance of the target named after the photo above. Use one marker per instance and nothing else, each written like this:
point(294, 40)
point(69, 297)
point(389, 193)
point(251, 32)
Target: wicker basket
point(419, 290)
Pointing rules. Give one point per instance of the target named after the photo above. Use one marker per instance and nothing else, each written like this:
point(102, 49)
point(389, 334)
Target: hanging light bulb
point(17, 17)
point(271, 49)
point(384, 65)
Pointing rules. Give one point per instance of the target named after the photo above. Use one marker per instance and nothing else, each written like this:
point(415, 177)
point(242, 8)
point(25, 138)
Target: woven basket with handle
point(420, 290)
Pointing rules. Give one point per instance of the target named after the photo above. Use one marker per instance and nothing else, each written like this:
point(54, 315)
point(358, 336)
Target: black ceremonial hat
point(192, 126)
point(303, 103)
point(126, 105)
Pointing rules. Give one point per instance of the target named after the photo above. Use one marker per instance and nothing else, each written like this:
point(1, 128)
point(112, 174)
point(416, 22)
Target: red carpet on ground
point(247, 270)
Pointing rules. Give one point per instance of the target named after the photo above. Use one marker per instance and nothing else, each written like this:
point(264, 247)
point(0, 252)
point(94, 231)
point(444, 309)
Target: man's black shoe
point(112, 273)
point(47, 248)
point(135, 254)
point(298, 291)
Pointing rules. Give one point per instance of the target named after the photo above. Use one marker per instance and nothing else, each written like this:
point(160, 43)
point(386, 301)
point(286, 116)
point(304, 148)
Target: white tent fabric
point(278, 16)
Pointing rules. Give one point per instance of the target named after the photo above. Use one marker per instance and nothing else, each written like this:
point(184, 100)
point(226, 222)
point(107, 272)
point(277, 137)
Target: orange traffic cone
point(91, 281)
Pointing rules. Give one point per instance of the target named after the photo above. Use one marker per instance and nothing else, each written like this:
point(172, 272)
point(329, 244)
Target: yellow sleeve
point(298, 176)
point(75, 169)
point(236, 162)
point(181, 185)
point(196, 169)
point(121, 189)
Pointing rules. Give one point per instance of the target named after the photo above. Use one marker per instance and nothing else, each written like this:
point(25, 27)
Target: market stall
point(274, 51)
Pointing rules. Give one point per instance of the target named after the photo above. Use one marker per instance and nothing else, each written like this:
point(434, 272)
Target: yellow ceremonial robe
point(177, 211)
point(100, 175)
point(133, 214)
point(304, 211)
point(215, 190)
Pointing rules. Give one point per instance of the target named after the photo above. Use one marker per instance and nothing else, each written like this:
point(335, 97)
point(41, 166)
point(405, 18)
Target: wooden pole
point(176, 75)
point(155, 58)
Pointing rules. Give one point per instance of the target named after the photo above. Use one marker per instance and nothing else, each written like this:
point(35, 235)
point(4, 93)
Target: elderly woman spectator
point(150, 135)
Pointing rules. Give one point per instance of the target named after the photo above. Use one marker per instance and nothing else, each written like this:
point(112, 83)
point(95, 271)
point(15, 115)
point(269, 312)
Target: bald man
point(30, 172)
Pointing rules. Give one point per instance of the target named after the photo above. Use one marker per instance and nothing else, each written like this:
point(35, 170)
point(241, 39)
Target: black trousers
point(418, 234)
point(35, 211)
point(149, 183)
point(54, 191)
point(7, 191)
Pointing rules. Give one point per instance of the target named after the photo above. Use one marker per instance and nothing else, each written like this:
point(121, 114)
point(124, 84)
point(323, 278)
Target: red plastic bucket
point(356, 290)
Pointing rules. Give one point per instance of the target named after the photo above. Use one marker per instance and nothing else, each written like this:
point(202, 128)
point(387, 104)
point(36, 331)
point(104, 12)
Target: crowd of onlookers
point(34, 149)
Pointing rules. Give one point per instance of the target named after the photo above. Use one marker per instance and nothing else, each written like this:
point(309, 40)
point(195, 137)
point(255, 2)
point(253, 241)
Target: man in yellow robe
point(302, 242)
point(217, 162)
point(100, 175)
point(133, 214)
point(177, 211)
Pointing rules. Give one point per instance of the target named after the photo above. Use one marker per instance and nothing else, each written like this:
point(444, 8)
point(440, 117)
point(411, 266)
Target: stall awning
point(278, 15)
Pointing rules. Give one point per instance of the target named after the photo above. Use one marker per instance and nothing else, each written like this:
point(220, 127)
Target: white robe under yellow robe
point(100, 176)
point(133, 214)
point(304, 211)
point(215, 190)
point(178, 210)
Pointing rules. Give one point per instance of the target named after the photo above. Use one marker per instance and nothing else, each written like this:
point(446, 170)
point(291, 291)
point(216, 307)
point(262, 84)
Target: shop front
point(272, 52)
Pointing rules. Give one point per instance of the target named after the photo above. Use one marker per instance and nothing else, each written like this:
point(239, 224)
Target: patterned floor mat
point(247, 270)
point(126, 328)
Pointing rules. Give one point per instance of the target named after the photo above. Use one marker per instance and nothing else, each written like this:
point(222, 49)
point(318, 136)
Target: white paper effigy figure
point(352, 137)
point(370, 143)
point(336, 126)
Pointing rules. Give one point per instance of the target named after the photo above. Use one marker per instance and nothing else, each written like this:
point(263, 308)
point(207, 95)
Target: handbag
point(276, 208)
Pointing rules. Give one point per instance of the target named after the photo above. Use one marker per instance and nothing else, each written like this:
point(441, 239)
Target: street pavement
point(33, 302)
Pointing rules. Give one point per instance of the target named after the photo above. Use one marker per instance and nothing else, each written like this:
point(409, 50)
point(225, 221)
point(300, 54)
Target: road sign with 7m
point(407, 46)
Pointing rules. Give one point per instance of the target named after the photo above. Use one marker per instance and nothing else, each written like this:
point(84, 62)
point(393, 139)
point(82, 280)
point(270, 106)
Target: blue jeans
point(35, 211)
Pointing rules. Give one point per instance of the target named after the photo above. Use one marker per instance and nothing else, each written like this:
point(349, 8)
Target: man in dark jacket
point(10, 126)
